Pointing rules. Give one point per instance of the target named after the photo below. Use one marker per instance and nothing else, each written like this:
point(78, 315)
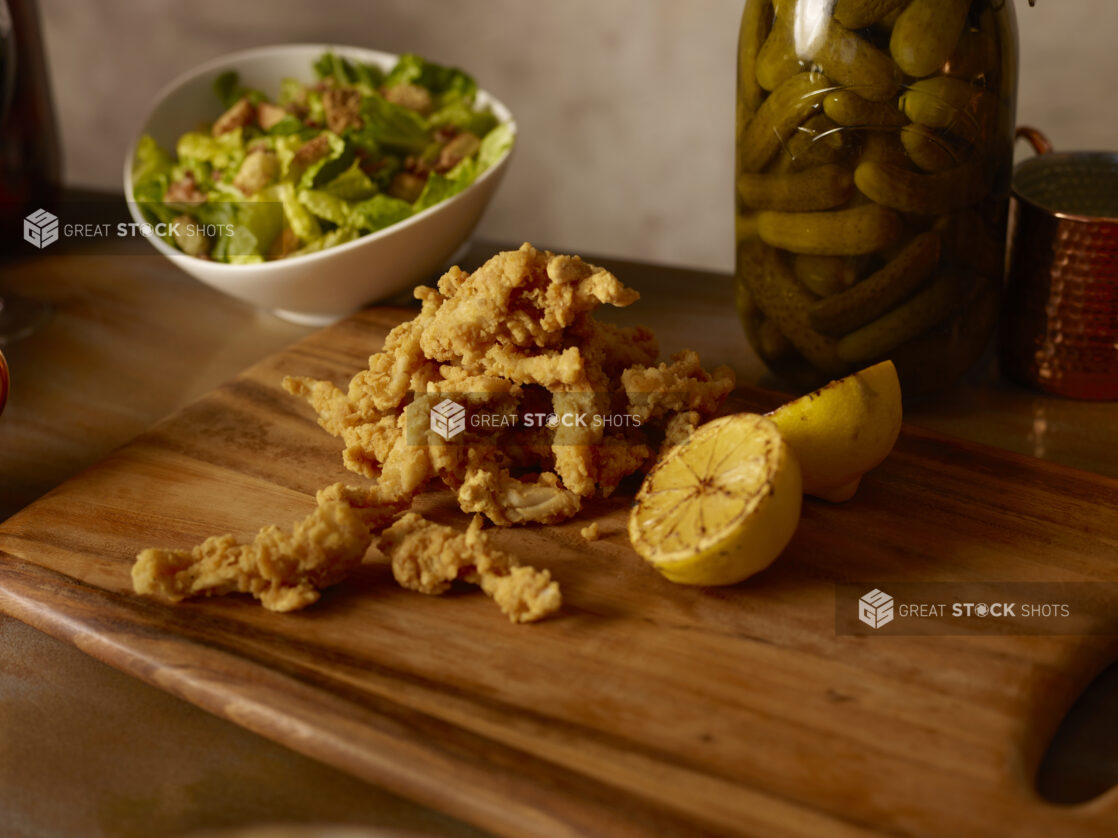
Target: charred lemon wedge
point(842, 430)
point(721, 506)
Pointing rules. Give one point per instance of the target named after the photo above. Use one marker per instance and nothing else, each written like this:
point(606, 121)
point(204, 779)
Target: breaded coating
point(335, 411)
point(429, 557)
point(682, 385)
point(506, 500)
point(375, 511)
point(514, 343)
point(285, 571)
point(523, 298)
point(679, 429)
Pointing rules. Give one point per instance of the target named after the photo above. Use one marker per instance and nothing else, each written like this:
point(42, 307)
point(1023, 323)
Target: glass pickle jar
point(872, 175)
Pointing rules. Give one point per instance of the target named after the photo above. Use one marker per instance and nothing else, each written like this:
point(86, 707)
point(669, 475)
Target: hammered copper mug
point(1059, 329)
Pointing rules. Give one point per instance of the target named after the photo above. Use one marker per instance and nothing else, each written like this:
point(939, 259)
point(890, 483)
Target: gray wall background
point(625, 107)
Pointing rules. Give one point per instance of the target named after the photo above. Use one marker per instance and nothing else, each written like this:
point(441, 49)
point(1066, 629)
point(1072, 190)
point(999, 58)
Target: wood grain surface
point(643, 708)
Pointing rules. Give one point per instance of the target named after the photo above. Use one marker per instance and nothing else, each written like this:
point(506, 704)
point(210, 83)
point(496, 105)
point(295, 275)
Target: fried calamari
point(428, 558)
point(516, 339)
point(285, 571)
point(571, 407)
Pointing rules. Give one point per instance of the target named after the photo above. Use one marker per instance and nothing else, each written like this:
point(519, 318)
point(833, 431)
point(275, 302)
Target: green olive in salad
point(353, 152)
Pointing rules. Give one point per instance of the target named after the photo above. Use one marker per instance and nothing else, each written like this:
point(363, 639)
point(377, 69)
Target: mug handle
point(4, 380)
point(1040, 143)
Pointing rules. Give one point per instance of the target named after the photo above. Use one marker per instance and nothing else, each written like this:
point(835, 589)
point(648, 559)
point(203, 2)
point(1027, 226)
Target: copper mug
point(1060, 321)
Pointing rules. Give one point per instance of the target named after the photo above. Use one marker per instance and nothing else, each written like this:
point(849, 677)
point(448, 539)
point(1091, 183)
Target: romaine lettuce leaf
point(201, 171)
point(223, 151)
point(315, 112)
point(223, 192)
point(285, 148)
point(367, 77)
point(330, 166)
point(346, 72)
point(351, 185)
point(152, 207)
point(288, 125)
point(459, 115)
point(218, 213)
point(301, 222)
point(291, 92)
point(437, 189)
point(245, 259)
point(448, 84)
point(391, 125)
point(326, 206)
point(255, 226)
point(386, 169)
point(151, 174)
point(150, 161)
point(330, 66)
point(335, 237)
point(494, 145)
point(379, 212)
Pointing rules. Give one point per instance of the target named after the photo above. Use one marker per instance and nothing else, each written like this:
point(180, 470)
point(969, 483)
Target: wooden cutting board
point(643, 708)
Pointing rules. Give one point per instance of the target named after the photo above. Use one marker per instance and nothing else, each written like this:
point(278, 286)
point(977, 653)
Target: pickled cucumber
point(926, 33)
point(848, 310)
point(849, 232)
point(754, 30)
point(926, 194)
point(890, 20)
point(927, 149)
point(771, 342)
point(779, 295)
point(827, 275)
point(777, 60)
point(950, 348)
point(745, 226)
point(851, 60)
point(817, 142)
point(776, 119)
point(819, 188)
point(750, 261)
point(883, 147)
point(857, 14)
point(943, 102)
point(850, 109)
point(913, 317)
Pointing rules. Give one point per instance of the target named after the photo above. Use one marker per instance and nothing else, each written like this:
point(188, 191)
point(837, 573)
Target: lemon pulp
point(721, 506)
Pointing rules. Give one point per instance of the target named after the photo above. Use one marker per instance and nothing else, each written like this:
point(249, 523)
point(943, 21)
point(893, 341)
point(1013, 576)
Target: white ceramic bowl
point(320, 287)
